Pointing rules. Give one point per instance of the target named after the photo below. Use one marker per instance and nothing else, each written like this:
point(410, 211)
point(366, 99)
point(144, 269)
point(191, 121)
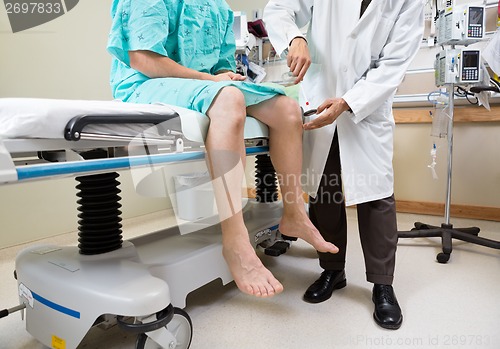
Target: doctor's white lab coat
point(361, 60)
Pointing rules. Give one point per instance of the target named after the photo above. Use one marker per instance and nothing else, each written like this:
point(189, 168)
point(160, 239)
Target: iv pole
point(446, 231)
point(451, 107)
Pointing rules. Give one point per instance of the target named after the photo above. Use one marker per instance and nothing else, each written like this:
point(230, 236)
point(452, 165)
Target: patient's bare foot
point(297, 224)
point(248, 272)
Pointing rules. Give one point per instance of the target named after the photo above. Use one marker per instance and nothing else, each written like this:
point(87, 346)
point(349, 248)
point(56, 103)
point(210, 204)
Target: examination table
point(140, 284)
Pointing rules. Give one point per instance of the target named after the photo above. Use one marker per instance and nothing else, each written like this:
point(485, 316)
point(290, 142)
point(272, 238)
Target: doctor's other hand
point(298, 59)
point(327, 112)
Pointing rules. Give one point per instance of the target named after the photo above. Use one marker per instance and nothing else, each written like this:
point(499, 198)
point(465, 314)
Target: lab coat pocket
point(382, 117)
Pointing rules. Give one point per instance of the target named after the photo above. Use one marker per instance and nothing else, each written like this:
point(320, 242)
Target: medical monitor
point(461, 25)
point(240, 29)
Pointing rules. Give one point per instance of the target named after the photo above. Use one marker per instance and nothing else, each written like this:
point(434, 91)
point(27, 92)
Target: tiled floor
point(453, 305)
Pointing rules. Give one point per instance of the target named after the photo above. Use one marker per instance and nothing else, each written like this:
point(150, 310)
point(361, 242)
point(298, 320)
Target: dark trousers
point(376, 223)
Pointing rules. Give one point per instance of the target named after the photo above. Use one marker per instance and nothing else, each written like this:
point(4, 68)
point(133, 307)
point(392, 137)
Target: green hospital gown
point(197, 34)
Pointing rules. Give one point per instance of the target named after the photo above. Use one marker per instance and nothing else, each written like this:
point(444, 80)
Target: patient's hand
point(228, 76)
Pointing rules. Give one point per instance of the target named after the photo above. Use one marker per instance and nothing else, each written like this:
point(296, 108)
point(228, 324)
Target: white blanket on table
point(47, 118)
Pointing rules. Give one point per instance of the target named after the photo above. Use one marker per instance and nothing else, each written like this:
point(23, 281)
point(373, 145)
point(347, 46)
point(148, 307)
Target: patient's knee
point(229, 107)
point(290, 111)
point(230, 98)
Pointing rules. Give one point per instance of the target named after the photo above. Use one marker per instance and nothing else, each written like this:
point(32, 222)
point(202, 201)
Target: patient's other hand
point(228, 76)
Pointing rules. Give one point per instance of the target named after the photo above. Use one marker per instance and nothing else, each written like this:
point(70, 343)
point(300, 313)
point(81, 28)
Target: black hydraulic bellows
point(266, 183)
point(99, 205)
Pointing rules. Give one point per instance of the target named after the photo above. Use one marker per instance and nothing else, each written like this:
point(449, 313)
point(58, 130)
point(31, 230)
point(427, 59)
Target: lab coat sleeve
point(228, 48)
point(491, 53)
point(283, 20)
point(382, 80)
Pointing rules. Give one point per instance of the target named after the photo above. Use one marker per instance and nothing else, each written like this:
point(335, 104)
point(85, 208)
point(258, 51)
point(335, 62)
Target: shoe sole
point(337, 286)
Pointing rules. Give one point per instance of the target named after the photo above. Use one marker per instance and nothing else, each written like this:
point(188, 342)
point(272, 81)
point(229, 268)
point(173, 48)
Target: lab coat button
point(354, 35)
point(344, 68)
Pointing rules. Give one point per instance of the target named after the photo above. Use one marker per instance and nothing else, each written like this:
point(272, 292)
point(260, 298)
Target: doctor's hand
point(298, 59)
point(330, 111)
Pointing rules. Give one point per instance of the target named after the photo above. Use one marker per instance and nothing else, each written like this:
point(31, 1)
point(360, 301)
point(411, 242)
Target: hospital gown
point(197, 34)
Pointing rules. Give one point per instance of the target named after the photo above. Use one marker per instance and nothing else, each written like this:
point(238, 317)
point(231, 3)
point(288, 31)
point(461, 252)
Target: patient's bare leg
point(283, 116)
point(226, 156)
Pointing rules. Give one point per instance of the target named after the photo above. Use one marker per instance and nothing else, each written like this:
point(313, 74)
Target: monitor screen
point(476, 16)
point(237, 27)
point(470, 59)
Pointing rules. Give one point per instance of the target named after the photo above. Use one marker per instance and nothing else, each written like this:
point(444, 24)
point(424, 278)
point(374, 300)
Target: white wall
point(247, 6)
point(476, 164)
point(64, 58)
point(35, 210)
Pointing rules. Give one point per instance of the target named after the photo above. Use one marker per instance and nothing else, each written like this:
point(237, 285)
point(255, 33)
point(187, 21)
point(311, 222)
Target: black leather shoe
point(387, 312)
point(323, 288)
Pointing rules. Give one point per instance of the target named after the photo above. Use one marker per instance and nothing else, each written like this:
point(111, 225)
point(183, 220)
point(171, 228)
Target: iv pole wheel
point(180, 326)
point(443, 257)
